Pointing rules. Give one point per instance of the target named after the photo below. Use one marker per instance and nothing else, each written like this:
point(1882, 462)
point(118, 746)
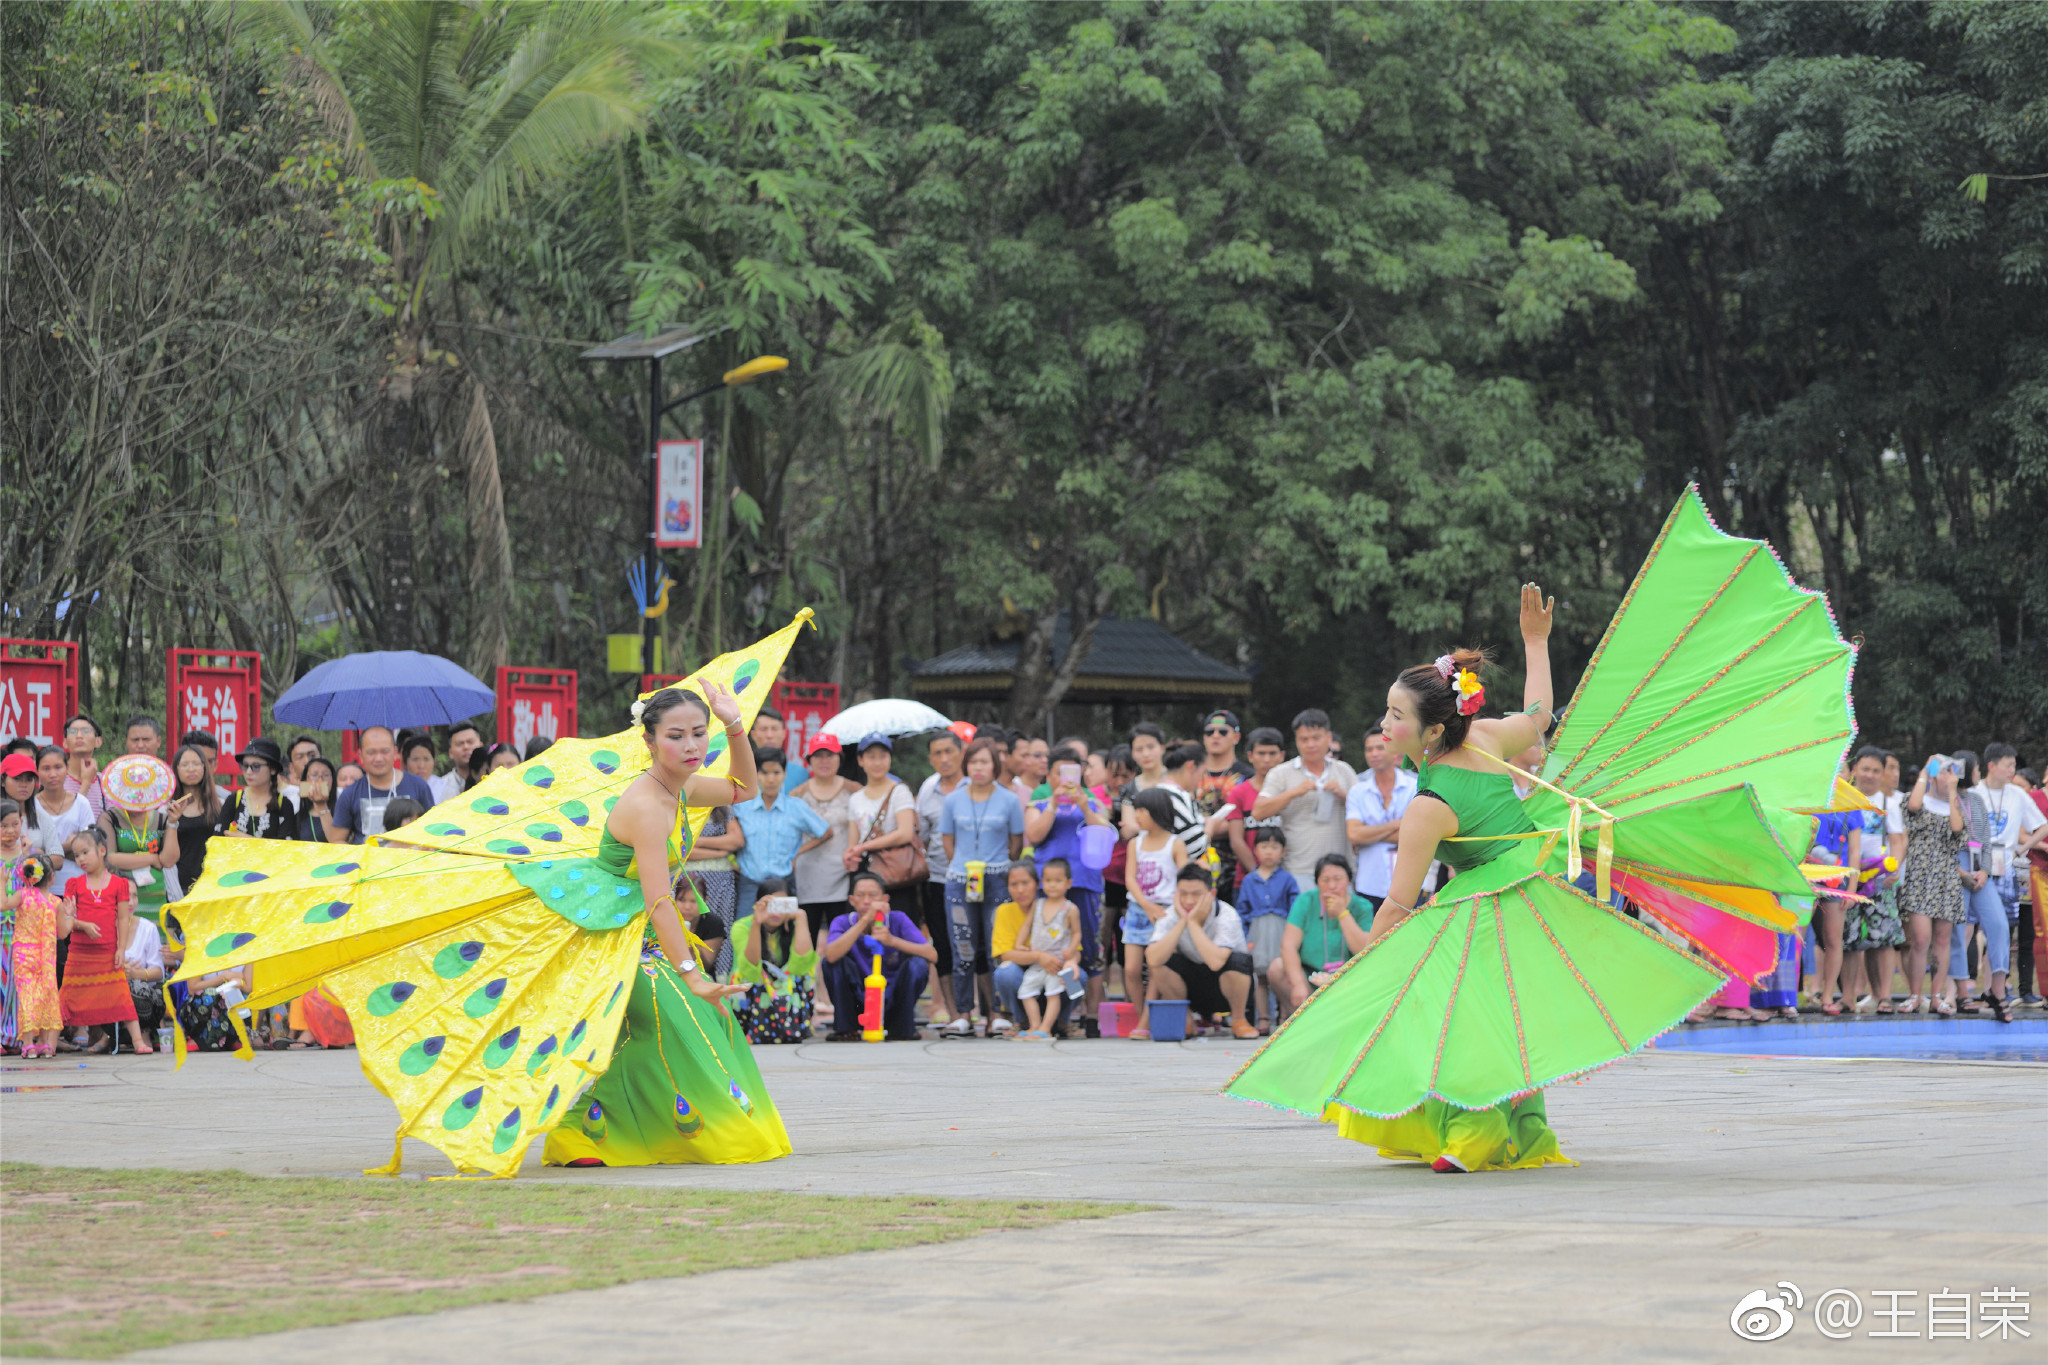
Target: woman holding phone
point(1059, 810)
point(775, 959)
point(1931, 879)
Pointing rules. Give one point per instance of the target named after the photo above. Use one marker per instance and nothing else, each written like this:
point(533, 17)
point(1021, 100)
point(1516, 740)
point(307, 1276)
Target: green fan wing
point(1718, 669)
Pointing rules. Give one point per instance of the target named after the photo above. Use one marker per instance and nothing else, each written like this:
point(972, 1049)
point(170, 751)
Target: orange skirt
point(96, 997)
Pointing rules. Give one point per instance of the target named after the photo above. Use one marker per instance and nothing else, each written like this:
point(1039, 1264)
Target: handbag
point(898, 867)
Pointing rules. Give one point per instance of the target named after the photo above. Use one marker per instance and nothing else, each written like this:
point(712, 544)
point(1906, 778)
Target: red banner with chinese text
point(536, 701)
point(38, 688)
point(219, 691)
point(805, 707)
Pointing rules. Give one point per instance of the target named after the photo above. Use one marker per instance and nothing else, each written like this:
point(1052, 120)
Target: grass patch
point(97, 1263)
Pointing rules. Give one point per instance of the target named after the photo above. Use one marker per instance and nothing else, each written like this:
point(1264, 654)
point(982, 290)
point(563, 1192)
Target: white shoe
point(958, 1028)
point(1000, 1027)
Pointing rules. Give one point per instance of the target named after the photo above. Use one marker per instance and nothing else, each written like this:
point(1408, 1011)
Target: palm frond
point(314, 65)
point(904, 379)
point(490, 570)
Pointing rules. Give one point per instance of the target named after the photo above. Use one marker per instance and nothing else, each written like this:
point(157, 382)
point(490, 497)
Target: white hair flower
point(639, 710)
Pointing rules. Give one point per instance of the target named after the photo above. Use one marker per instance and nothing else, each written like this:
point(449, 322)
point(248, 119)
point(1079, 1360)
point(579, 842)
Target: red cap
point(827, 743)
point(964, 729)
point(15, 765)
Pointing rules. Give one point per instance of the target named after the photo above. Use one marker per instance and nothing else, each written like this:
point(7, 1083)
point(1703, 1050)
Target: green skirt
point(682, 1087)
point(1437, 1039)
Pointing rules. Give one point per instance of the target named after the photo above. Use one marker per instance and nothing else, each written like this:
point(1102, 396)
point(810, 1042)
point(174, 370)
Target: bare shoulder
point(1493, 735)
point(1429, 817)
point(640, 813)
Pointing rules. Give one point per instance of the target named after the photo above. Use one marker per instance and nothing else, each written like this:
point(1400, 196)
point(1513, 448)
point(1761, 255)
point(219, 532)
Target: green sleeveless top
point(1485, 803)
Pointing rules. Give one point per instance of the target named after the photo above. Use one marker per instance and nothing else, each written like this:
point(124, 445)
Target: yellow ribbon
point(1603, 854)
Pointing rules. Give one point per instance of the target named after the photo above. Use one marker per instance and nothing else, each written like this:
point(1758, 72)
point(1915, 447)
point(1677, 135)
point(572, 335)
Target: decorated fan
point(137, 782)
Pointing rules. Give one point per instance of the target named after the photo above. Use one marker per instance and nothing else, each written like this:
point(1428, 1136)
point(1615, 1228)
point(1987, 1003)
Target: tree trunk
point(1037, 686)
point(394, 459)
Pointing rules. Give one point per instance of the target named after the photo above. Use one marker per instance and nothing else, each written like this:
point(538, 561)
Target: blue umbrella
point(391, 688)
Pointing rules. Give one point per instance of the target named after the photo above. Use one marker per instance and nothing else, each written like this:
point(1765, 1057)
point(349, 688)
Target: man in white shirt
point(1198, 953)
point(1308, 793)
point(1372, 816)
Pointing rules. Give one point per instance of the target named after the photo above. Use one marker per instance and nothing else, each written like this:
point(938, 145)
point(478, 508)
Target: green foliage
point(1310, 329)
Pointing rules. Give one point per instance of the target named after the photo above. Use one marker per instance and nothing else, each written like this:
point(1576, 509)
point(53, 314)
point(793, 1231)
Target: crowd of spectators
point(1025, 888)
point(86, 884)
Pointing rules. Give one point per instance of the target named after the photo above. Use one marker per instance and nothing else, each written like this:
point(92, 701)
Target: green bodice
point(1485, 804)
point(597, 893)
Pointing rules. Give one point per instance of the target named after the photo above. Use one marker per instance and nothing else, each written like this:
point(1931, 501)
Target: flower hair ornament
point(639, 709)
point(33, 869)
point(1471, 696)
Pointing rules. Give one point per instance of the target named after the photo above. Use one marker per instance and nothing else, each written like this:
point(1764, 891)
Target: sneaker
point(999, 1027)
point(2030, 998)
point(959, 1028)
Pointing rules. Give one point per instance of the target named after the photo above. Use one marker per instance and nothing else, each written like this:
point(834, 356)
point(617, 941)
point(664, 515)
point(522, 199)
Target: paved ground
point(1704, 1177)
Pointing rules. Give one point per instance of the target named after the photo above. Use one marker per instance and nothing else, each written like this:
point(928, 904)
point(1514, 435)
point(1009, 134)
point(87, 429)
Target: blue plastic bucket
point(1169, 1019)
point(1098, 846)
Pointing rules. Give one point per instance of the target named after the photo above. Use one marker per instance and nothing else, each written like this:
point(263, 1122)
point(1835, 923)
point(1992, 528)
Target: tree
point(1854, 358)
point(452, 109)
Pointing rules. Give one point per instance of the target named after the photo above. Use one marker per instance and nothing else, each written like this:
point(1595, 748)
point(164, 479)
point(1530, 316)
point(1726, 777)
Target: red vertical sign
point(679, 495)
point(38, 688)
point(536, 701)
point(805, 707)
point(219, 691)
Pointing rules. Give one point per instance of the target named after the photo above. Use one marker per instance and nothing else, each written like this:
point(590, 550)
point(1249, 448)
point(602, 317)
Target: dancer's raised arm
point(1512, 734)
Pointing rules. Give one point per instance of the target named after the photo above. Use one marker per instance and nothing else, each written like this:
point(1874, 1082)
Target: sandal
point(1833, 1008)
point(1911, 1005)
point(1886, 1008)
point(1243, 1031)
point(2000, 1009)
point(1143, 1035)
point(1970, 1006)
point(1941, 1005)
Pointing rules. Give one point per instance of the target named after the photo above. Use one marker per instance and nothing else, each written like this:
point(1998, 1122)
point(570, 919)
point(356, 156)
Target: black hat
point(265, 749)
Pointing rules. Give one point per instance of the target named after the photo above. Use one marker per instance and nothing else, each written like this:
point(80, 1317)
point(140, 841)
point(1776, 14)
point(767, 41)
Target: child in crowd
point(776, 960)
point(12, 851)
point(95, 990)
point(40, 919)
point(1155, 858)
point(1055, 939)
point(1263, 902)
point(1009, 946)
point(399, 812)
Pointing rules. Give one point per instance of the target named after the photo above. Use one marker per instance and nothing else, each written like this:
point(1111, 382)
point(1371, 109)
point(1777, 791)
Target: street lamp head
point(754, 369)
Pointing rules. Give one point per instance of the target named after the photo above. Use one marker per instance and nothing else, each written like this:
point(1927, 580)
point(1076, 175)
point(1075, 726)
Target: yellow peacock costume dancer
point(496, 961)
point(1714, 710)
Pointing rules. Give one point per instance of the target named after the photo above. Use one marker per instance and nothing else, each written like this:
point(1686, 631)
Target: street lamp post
point(668, 341)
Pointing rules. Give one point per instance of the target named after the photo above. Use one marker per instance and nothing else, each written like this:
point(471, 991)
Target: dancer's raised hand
point(722, 702)
point(1535, 613)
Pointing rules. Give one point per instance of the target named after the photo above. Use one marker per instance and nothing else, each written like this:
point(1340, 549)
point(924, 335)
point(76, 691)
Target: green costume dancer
point(1715, 707)
point(682, 1086)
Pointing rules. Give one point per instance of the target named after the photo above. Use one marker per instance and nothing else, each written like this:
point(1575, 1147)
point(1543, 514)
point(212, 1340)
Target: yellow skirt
point(1512, 1136)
